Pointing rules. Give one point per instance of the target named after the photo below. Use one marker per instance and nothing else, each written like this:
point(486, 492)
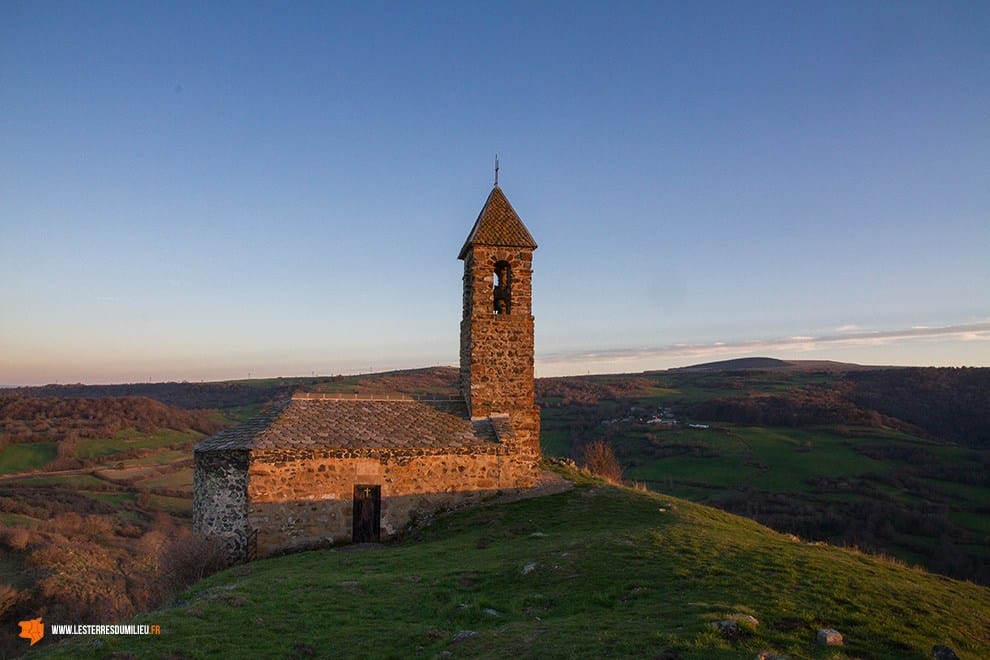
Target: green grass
point(117, 499)
point(781, 460)
point(964, 492)
point(77, 481)
point(182, 506)
point(132, 439)
point(25, 457)
point(17, 520)
point(616, 573)
point(554, 443)
point(977, 524)
point(789, 466)
point(12, 568)
point(237, 413)
point(177, 479)
point(159, 457)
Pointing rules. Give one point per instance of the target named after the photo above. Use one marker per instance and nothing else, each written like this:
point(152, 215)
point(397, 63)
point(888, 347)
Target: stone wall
point(220, 486)
point(301, 499)
point(523, 449)
point(497, 349)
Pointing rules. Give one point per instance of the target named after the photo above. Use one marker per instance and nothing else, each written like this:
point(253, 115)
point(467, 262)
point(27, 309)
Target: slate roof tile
point(498, 224)
point(320, 421)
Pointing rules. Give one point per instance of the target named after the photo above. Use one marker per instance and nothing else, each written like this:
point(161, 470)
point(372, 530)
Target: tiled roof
point(498, 224)
point(329, 421)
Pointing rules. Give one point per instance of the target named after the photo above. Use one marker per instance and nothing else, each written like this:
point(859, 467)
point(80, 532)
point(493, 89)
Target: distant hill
point(600, 571)
point(767, 363)
point(256, 392)
point(183, 395)
point(738, 363)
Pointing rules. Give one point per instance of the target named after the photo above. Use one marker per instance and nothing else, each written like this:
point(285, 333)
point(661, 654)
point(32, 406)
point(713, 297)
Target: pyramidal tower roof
point(498, 224)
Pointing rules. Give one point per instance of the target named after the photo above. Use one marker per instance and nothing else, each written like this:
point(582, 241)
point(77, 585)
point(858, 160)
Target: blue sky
point(210, 190)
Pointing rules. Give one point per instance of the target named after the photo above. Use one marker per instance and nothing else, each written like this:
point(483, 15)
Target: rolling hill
point(599, 571)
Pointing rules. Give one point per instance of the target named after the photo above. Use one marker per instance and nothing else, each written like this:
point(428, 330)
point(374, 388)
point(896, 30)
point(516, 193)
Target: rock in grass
point(941, 652)
point(728, 628)
point(736, 625)
point(746, 620)
point(830, 637)
point(462, 635)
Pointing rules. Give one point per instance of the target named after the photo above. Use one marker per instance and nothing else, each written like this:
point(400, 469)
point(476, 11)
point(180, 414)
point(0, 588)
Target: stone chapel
point(319, 469)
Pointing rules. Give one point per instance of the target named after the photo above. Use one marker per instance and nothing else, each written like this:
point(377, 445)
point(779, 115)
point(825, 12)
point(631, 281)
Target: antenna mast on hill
point(496, 170)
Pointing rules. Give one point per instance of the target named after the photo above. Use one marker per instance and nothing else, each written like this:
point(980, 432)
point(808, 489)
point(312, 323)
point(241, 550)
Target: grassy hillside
point(600, 571)
point(794, 448)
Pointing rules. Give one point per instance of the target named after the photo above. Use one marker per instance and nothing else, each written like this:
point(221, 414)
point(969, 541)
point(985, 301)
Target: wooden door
point(367, 514)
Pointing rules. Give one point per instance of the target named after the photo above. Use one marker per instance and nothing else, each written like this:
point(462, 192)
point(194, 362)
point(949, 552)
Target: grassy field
point(25, 457)
point(12, 568)
point(180, 506)
point(175, 480)
point(17, 520)
point(600, 571)
point(130, 439)
point(770, 459)
point(73, 481)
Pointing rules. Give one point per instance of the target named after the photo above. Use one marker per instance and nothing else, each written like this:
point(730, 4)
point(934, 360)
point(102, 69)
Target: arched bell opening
point(502, 291)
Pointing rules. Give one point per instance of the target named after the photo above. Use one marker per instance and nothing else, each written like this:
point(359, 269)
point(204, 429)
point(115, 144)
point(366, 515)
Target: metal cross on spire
point(496, 170)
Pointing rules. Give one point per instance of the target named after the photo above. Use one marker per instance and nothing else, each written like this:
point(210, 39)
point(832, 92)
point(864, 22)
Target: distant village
point(664, 417)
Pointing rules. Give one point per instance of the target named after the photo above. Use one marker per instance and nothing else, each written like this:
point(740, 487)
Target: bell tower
point(497, 334)
point(497, 321)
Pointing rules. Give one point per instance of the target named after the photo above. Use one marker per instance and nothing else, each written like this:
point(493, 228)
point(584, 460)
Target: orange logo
point(32, 629)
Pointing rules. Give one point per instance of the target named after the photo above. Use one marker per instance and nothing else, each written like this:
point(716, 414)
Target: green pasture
point(159, 458)
point(964, 492)
point(555, 443)
point(978, 523)
point(181, 506)
point(24, 457)
point(897, 494)
point(775, 459)
point(181, 479)
point(117, 499)
point(768, 459)
point(792, 456)
point(17, 520)
point(236, 414)
point(12, 568)
point(76, 481)
point(129, 439)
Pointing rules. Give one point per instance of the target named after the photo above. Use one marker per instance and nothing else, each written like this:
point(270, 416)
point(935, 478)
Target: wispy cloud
point(842, 336)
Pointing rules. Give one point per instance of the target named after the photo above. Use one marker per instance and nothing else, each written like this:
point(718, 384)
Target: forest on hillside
point(951, 404)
